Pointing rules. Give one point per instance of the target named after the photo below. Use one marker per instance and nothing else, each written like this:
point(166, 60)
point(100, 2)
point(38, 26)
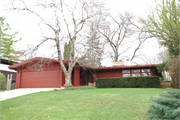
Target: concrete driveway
point(22, 91)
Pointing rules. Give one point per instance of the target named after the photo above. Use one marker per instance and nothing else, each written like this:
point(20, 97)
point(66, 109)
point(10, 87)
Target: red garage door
point(43, 79)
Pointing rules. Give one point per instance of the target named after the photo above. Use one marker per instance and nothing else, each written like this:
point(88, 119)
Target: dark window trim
point(140, 72)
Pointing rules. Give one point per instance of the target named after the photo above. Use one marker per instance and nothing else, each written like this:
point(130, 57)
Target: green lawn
point(95, 104)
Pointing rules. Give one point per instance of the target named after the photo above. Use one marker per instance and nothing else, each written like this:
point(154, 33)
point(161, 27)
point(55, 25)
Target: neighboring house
point(43, 73)
point(4, 64)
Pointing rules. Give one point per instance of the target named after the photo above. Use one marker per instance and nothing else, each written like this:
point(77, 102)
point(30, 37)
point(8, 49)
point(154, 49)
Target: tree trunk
point(67, 73)
point(68, 82)
point(116, 57)
point(175, 83)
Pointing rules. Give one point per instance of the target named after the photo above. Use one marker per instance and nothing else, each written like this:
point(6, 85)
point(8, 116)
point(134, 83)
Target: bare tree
point(122, 34)
point(142, 37)
point(116, 32)
point(162, 57)
point(68, 21)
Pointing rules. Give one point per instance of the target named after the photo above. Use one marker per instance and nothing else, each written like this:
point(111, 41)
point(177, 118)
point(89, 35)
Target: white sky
point(28, 30)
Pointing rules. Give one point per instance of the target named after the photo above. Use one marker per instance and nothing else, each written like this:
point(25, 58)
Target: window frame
point(126, 74)
point(145, 72)
point(135, 69)
point(146, 69)
point(129, 73)
point(145, 75)
point(136, 73)
point(140, 72)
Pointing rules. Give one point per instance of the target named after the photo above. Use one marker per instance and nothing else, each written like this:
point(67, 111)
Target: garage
point(39, 79)
point(41, 72)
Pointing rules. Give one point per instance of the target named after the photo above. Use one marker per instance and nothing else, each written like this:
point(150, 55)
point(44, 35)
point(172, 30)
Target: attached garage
point(38, 73)
point(42, 79)
point(44, 73)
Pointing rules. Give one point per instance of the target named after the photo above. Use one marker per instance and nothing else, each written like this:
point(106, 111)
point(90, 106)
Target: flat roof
point(126, 67)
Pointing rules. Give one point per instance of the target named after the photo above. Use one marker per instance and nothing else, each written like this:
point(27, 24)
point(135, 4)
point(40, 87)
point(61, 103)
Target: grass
point(80, 88)
point(113, 103)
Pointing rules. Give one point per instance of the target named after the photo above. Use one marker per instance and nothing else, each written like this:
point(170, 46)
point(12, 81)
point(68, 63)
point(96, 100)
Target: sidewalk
point(22, 91)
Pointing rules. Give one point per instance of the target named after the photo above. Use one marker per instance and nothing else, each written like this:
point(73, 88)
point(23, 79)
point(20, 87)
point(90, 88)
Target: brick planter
point(165, 84)
point(177, 87)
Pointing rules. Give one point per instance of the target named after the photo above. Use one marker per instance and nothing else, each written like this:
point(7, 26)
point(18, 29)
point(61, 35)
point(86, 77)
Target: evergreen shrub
point(3, 82)
point(166, 106)
point(128, 82)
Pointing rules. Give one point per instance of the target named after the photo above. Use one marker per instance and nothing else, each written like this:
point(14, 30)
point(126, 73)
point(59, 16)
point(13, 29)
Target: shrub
point(166, 106)
point(80, 88)
point(161, 67)
point(3, 82)
point(128, 82)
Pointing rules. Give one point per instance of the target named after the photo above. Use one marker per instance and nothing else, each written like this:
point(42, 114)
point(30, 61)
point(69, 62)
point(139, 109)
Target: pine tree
point(166, 106)
point(66, 53)
point(93, 55)
point(6, 40)
point(16, 55)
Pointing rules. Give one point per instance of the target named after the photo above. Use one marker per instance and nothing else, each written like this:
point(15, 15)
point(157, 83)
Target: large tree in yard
point(121, 34)
point(173, 69)
point(67, 22)
point(164, 24)
point(115, 33)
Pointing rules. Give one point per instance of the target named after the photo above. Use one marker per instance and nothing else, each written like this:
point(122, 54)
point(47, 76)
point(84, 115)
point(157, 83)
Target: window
point(146, 74)
point(136, 71)
point(126, 73)
point(145, 70)
point(135, 74)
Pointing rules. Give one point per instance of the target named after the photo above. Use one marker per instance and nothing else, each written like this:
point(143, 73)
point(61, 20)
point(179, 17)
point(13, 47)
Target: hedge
point(128, 82)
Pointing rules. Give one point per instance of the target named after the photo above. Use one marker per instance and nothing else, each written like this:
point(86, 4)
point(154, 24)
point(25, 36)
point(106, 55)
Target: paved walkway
point(22, 91)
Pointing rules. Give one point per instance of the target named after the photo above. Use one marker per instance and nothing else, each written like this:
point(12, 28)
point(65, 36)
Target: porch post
point(18, 79)
point(76, 76)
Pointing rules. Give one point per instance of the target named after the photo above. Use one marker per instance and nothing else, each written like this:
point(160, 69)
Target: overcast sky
point(27, 25)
